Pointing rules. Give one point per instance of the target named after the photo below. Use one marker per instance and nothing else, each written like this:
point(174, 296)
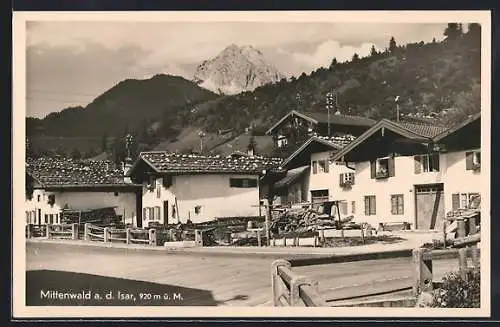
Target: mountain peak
point(236, 69)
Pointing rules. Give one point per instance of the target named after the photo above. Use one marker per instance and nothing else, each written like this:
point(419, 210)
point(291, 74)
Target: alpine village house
point(393, 172)
point(177, 188)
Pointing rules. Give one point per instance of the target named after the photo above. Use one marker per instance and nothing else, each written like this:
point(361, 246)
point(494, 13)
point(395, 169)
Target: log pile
point(101, 216)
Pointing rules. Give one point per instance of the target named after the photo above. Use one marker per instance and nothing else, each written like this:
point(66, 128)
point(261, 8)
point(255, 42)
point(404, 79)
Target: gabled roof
point(291, 176)
point(335, 143)
point(174, 163)
point(457, 127)
point(423, 133)
point(62, 172)
point(322, 117)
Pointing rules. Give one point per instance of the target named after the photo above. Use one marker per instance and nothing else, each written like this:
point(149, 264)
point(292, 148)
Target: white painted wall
point(125, 203)
point(452, 174)
point(212, 192)
point(330, 180)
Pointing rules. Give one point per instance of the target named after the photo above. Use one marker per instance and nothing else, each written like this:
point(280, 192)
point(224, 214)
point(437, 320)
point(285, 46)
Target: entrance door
point(429, 206)
point(165, 212)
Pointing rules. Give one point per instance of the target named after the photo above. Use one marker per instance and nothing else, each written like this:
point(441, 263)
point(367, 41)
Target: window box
point(476, 166)
point(383, 168)
point(382, 174)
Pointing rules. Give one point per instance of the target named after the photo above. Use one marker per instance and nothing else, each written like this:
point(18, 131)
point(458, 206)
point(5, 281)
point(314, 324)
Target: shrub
point(457, 292)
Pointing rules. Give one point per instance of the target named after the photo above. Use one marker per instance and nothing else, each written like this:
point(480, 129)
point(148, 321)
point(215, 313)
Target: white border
point(20, 310)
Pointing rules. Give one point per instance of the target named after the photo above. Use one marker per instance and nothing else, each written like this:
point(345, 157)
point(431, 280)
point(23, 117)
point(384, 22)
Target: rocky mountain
point(236, 69)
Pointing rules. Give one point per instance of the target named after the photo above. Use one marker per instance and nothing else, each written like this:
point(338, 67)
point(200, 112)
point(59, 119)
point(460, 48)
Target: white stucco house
point(54, 184)
point(394, 172)
point(181, 187)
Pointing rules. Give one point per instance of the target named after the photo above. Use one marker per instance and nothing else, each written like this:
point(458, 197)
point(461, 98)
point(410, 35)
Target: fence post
point(369, 231)
point(315, 244)
point(74, 231)
point(462, 262)
point(422, 271)
point(322, 235)
point(198, 237)
point(47, 231)
point(284, 239)
point(152, 237)
point(258, 238)
point(476, 257)
point(86, 231)
point(275, 279)
point(444, 234)
point(362, 236)
point(29, 231)
point(296, 282)
point(460, 227)
point(127, 235)
point(106, 234)
point(274, 241)
point(472, 226)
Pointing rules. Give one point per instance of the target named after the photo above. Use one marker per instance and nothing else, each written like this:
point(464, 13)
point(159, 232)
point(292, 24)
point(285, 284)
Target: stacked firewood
point(300, 220)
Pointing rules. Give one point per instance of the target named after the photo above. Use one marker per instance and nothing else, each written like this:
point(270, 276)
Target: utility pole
point(201, 134)
point(331, 103)
point(396, 99)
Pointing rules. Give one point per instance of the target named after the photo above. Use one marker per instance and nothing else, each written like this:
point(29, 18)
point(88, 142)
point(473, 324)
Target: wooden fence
point(318, 236)
point(63, 231)
point(290, 289)
point(126, 235)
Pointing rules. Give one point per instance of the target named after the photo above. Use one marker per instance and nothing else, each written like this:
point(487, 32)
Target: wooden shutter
point(394, 204)
point(455, 201)
point(401, 205)
point(391, 167)
point(435, 162)
point(469, 156)
point(374, 205)
point(367, 206)
point(327, 166)
point(418, 164)
point(341, 179)
point(315, 167)
point(353, 207)
point(373, 169)
point(157, 213)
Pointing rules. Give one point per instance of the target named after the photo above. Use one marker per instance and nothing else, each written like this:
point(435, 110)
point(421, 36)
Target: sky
point(69, 63)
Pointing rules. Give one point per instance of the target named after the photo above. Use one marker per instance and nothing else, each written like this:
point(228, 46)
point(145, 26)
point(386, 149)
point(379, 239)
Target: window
point(151, 183)
point(157, 213)
point(46, 218)
point(28, 217)
point(38, 197)
point(116, 194)
point(319, 195)
point(346, 179)
point(343, 208)
point(397, 204)
point(353, 207)
point(426, 163)
point(315, 167)
point(243, 182)
point(144, 213)
point(370, 205)
point(473, 160)
point(323, 166)
point(382, 168)
point(51, 219)
point(158, 191)
point(197, 210)
point(462, 200)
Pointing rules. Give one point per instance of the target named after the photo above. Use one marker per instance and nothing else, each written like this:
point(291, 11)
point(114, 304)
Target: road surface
point(159, 278)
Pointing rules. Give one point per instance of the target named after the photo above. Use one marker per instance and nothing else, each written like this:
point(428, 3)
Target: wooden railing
point(127, 235)
point(63, 231)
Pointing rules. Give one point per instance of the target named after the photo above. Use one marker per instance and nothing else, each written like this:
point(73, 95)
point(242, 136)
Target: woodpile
point(100, 217)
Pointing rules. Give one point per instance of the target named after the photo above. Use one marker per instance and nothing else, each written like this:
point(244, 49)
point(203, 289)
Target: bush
point(457, 292)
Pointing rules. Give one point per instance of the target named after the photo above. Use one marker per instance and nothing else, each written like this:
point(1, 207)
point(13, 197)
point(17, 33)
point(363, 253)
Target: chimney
point(126, 165)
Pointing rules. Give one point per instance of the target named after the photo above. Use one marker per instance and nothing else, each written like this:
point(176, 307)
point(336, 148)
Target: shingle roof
point(291, 176)
point(429, 131)
point(340, 140)
point(322, 117)
point(66, 172)
point(174, 163)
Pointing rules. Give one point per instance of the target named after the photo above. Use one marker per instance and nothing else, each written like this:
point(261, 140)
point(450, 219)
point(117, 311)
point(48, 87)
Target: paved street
point(188, 278)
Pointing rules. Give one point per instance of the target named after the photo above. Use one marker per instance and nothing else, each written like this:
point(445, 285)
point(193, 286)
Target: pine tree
point(453, 31)
point(355, 57)
point(334, 63)
point(392, 45)
point(373, 51)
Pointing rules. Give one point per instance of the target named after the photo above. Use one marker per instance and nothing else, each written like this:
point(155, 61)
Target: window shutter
point(315, 167)
point(367, 206)
point(393, 204)
point(391, 168)
point(157, 213)
point(418, 164)
point(341, 179)
point(373, 169)
point(374, 211)
point(435, 162)
point(455, 201)
point(327, 166)
point(469, 156)
point(353, 207)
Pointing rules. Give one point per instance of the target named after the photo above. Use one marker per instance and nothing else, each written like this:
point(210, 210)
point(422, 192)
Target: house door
point(429, 206)
point(165, 212)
